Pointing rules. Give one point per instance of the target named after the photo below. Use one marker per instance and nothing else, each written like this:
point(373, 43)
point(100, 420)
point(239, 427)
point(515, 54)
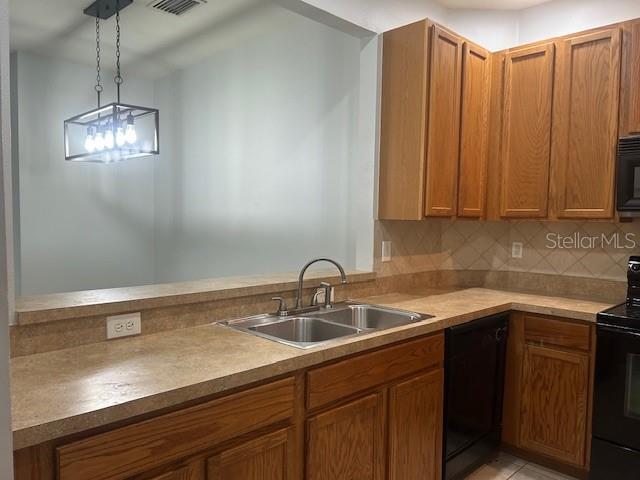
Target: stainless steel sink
point(369, 317)
point(303, 331)
point(324, 325)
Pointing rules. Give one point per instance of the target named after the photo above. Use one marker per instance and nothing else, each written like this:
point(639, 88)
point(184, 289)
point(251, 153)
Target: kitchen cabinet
point(424, 132)
point(403, 119)
point(148, 445)
point(585, 132)
point(526, 131)
point(269, 457)
point(443, 125)
point(554, 403)
point(348, 441)
point(547, 400)
point(415, 427)
point(474, 128)
point(192, 471)
point(351, 418)
point(630, 90)
point(398, 402)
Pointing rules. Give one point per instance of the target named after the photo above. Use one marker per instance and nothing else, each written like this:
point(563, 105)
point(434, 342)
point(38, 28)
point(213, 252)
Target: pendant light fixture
point(116, 131)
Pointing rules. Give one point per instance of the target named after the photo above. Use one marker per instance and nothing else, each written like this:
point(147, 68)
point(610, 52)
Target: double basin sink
point(326, 324)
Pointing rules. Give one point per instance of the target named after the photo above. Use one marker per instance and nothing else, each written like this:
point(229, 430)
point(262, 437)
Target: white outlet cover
point(517, 249)
point(386, 251)
point(124, 325)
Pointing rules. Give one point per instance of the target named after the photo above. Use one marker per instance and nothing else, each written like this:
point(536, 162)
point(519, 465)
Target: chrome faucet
point(304, 270)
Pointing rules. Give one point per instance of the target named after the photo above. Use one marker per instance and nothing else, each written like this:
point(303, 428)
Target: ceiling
point(492, 4)
point(156, 43)
point(153, 43)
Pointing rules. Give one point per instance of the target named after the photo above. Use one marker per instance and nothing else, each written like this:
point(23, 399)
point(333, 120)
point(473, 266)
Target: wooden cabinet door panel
point(193, 471)
point(526, 132)
point(415, 428)
point(586, 124)
point(347, 443)
point(443, 139)
point(474, 131)
point(554, 403)
point(269, 457)
point(630, 89)
point(403, 122)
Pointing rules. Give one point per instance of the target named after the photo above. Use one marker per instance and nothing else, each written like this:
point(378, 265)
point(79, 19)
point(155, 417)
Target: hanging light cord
point(98, 87)
point(118, 78)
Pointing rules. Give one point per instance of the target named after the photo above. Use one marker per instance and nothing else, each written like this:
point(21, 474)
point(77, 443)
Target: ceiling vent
point(176, 7)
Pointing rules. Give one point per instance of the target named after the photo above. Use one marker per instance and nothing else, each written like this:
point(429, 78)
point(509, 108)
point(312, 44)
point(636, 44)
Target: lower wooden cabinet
point(347, 442)
point(415, 427)
point(270, 457)
point(554, 403)
point(548, 397)
point(192, 471)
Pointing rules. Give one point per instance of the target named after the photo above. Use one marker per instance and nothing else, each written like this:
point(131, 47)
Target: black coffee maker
point(633, 281)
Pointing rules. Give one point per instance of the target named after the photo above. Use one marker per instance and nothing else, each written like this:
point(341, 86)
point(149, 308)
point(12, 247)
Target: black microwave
point(628, 177)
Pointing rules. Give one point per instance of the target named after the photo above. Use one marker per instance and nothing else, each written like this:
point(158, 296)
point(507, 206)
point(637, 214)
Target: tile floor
point(512, 468)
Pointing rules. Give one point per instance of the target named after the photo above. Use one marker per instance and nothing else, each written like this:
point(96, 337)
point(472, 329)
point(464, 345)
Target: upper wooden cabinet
point(476, 89)
point(585, 129)
point(443, 138)
point(427, 143)
point(630, 91)
point(404, 116)
point(526, 131)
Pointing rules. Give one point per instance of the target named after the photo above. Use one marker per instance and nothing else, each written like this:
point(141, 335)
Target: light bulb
point(89, 143)
point(99, 141)
point(108, 138)
point(130, 135)
point(120, 137)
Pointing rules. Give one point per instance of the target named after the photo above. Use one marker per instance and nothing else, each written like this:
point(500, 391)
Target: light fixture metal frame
point(116, 113)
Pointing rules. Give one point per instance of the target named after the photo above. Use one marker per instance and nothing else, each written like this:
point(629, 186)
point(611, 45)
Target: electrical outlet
point(386, 251)
point(124, 325)
point(516, 250)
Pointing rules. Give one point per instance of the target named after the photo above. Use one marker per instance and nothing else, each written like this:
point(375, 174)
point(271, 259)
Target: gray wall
point(81, 225)
point(259, 140)
point(267, 159)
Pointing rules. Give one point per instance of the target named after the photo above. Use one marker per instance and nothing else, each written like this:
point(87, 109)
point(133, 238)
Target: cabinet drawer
point(136, 448)
point(342, 379)
point(546, 331)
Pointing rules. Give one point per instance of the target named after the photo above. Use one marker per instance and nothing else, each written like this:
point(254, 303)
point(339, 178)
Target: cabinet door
point(403, 123)
point(347, 443)
point(554, 403)
point(474, 131)
point(630, 90)
point(443, 139)
point(526, 132)
point(586, 124)
point(269, 457)
point(193, 471)
point(415, 428)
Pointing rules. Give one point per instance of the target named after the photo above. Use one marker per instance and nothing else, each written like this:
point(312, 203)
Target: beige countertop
point(59, 393)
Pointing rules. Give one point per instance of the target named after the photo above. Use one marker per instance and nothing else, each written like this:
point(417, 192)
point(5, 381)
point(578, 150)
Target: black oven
point(615, 452)
point(628, 176)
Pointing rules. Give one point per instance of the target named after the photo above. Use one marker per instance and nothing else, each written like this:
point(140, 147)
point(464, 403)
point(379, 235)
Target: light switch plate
point(124, 325)
point(516, 249)
point(386, 251)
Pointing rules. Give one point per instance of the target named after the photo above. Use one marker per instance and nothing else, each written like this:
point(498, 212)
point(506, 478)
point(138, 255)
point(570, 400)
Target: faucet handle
point(282, 305)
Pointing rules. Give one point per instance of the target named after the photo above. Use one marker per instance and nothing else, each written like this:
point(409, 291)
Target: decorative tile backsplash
point(582, 249)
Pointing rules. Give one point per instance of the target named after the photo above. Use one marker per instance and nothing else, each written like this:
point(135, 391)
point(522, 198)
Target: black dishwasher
point(474, 383)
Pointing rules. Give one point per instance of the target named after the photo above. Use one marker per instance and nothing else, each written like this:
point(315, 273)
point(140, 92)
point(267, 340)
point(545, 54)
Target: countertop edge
point(36, 309)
